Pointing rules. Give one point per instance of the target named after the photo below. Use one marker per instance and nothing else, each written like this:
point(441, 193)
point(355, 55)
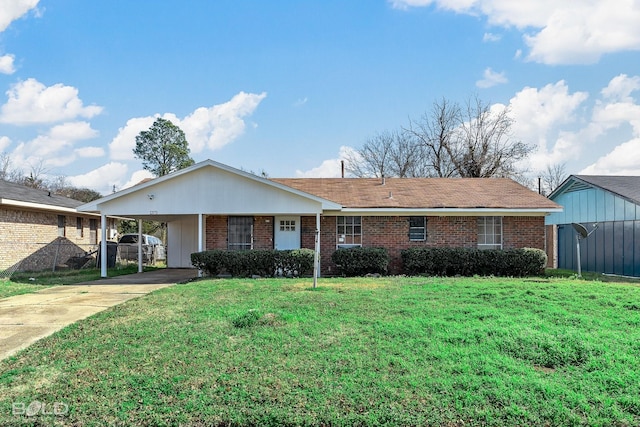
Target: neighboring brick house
point(40, 230)
point(213, 206)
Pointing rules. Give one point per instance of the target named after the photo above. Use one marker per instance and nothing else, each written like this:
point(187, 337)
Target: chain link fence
point(40, 256)
point(61, 254)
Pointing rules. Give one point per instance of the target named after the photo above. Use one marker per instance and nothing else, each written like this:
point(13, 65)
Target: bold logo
point(36, 407)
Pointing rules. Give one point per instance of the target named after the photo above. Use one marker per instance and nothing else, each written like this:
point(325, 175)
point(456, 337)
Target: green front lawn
point(24, 283)
point(387, 351)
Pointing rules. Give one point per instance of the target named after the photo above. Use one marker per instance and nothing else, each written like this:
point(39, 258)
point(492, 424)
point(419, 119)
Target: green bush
point(265, 263)
point(469, 262)
point(358, 261)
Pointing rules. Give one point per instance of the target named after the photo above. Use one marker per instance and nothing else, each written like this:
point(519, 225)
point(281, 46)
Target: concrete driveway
point(24, 319)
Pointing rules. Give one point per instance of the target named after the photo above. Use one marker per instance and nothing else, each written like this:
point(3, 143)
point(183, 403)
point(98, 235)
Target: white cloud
point(121, 147)
point(537, 110)
point(491, 78)
point(103, 178)
point(54, 148)
point(4, 143)
point(575, 32)
point(491, 37)
point(211, 128)
point(31, 102)
point(216, 126)
point(300, 102)
point(539, 115)
point(331, 168)
point(10, 10)
point(89, 152)
point(623, 160)
point(621, 87)
point(6, 64)
point(567, 129)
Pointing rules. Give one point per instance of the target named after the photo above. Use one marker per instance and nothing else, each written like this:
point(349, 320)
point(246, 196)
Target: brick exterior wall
point(217, 226)
point(523, 232)
point(391, 232)
point(29, 240)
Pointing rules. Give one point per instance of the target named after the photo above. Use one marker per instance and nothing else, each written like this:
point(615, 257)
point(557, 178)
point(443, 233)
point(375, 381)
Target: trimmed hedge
point(265, 263)
point(358, 261)
point(470, 262)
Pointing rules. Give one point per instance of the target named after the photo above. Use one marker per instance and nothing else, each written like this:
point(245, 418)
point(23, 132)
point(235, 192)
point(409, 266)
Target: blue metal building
point(611, 202)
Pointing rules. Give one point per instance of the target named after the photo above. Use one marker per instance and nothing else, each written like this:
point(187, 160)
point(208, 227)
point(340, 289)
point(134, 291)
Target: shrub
point(359, 261)
point(469, 262)
point(266, 263)
point(296, 262)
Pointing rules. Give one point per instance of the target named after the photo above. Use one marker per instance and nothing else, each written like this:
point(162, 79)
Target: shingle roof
point(21, 193)
point(469, 193)
point(625, 186)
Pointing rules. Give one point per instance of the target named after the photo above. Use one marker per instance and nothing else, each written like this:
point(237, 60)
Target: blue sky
point(287, 87)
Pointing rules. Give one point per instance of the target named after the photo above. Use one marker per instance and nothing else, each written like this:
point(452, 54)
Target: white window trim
point(490, 245)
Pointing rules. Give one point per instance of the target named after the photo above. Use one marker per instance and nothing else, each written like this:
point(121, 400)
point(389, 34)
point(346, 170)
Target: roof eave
point(37, 206)
point(451, 211)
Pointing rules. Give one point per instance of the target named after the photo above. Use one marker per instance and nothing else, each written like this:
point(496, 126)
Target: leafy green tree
point(163, 148)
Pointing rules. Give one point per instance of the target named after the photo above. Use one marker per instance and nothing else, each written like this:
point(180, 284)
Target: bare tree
point(552, 177)
point(447, 141)
point(7, 171)
point(434, 133)
point(487, 147)
point(373, 159)
point(36, 177)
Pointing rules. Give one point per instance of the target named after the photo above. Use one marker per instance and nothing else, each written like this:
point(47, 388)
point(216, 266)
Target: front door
point(287, 232)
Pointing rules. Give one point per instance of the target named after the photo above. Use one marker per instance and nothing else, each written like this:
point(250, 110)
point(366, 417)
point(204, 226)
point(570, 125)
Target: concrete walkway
point(24, 319)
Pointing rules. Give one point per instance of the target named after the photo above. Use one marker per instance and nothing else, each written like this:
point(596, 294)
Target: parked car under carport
point(153, 250)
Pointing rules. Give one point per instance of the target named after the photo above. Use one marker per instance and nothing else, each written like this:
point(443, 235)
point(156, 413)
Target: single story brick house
point(213, 206)
point(40, 230)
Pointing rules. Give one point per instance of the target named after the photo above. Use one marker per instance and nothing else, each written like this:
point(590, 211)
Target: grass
point(27, 282)
point(387, 351)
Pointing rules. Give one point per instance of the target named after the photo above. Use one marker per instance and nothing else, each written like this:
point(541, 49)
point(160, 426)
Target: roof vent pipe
point(342, 167)
point(383, 180)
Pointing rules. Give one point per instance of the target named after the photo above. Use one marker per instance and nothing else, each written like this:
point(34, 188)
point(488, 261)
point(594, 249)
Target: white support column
point(316, 256)
point(200, 237)
point(103, 245)
point(140, 246)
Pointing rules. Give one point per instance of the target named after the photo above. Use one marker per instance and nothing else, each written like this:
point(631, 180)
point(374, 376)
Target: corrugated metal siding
point(593, 205)
point(614, 248)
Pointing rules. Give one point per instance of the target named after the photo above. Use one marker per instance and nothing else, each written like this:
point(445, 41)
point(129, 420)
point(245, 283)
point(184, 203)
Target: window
point(240, 233)
point(93, 231)
point(288, 225)
point(79, 232)
point(349, 231)
point(417, 228)
point(62, 222)
point(490, 232)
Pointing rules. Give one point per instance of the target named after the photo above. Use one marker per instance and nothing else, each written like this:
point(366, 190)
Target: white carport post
point(200, 234)
point(139, 246)
point(103, 245)
point(316, 255)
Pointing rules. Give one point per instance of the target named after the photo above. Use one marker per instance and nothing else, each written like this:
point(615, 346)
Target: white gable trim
point(96, 205)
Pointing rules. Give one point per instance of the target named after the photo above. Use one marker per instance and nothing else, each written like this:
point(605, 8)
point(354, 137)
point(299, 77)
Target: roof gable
point(207, 187)
point(624, 186)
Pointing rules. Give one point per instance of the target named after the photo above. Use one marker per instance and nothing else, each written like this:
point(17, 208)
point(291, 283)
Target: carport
point(185, 198)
